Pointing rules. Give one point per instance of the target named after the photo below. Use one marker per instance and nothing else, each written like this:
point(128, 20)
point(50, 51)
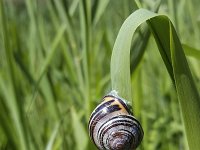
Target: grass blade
point(121, 51)
point(79, 131)
point(192, 52)
point(186, 91)
point(175, 61)
point(53, 137)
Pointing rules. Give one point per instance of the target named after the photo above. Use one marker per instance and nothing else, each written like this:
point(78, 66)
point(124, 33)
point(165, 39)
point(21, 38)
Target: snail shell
point(112, 125)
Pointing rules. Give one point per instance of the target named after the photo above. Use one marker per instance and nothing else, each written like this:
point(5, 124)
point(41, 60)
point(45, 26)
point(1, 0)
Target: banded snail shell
point(112, 125)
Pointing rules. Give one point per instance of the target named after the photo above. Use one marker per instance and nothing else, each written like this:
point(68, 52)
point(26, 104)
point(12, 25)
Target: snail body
point(112, 125)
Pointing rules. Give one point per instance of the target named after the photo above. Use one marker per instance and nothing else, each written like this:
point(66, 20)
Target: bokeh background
point(55, 68)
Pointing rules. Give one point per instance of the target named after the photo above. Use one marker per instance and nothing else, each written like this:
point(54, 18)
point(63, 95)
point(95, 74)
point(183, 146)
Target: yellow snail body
point(112, 125)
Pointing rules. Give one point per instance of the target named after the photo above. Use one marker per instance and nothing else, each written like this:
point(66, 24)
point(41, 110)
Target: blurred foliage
point(55, 68)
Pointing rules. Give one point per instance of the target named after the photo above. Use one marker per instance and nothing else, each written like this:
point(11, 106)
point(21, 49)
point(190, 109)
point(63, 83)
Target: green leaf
point(47, 61)
point(191, 51)
point(99, 9)
point(53, 137)
point(120, 72)
point(174, 58)
point(80, 134)
point(186, 91)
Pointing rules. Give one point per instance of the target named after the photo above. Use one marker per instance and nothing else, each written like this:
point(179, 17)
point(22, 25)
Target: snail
point(112, 125)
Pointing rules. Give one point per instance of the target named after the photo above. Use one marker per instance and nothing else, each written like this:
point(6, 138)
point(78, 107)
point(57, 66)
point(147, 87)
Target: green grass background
point(55, 68)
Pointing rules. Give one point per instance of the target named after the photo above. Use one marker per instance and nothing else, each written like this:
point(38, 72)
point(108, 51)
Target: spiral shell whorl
point(112, 126)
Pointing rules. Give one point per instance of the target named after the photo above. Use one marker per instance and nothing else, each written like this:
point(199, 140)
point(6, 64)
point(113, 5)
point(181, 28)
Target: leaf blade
point(172, 54)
